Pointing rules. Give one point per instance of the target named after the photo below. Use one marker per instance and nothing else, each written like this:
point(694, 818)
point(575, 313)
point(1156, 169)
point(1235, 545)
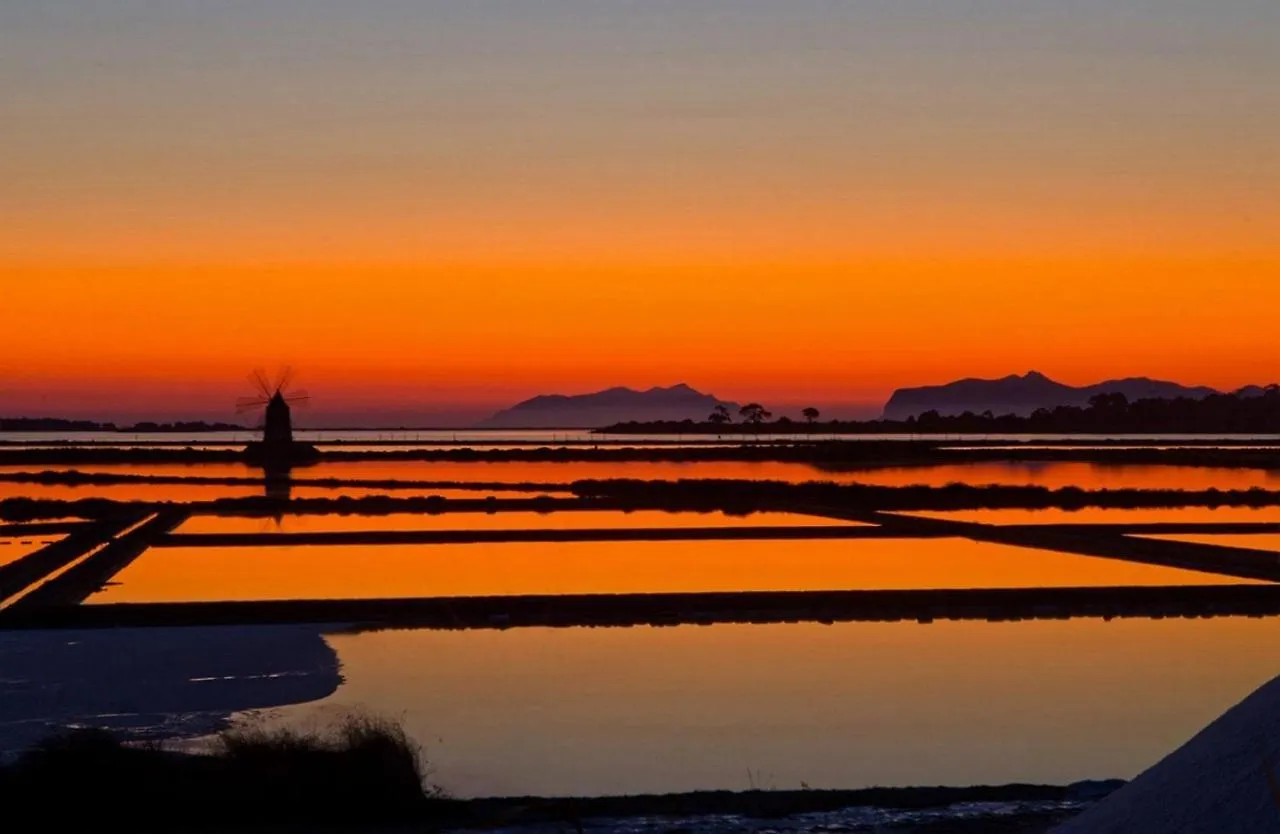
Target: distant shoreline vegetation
point(705, 495)
point(1105, 414)
point(56, 424)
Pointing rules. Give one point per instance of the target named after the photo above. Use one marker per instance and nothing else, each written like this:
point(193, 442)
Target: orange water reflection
point(13, 548)
point(1253, 541)
point(186, 493)
point(1049, 474)
point(125, 492)
point(615, 711)
point(1056, 475)
point(1102, 515)
point(560, 520)
point(381, 571)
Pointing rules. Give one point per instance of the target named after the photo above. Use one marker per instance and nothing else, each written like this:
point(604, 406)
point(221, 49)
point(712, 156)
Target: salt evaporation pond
point(1052, 475)
point(1251, 541)
point(592, 711)
point(621, 711)
point(1112, 515)
point(13, 548)
point(284, 572)
point(506, 520)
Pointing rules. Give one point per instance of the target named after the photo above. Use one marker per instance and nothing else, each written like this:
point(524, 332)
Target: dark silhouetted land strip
point(81, 580)
point(732, 496)
point(1106, 414)
point(648, 534)
point(74, 477)
point(57, 424)
point(677, 609)
point(1159, 528)
point(19, 575)
point(773, 804)
point(371, 777)
point(1245, 563)
point(41, 528)
point(340, 443)
point(744, 496)
point(822, 456)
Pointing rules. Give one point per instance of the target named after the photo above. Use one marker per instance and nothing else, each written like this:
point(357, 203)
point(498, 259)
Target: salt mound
point(1216, 783)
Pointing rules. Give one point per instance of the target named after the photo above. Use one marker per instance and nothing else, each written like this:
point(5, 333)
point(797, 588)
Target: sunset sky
point(436, 208)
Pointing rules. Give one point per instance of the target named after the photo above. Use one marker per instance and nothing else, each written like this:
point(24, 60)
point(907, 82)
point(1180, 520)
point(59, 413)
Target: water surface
point(545, 437)
point(1252, 541)
point(558, 520)
point(188, 493)
point(277, 572)
point(1053, 474)
point(617, 711)
point(1105, 515)
point(13, 548)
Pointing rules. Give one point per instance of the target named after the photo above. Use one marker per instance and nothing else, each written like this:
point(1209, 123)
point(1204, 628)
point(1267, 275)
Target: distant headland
point(1028, 403)
point(601, 408)
point(1251, 410)
point(1031, 402)
point(1026, 394)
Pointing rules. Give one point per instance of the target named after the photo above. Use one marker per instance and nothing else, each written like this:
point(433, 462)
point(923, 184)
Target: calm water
point(493, 446)
point(210, 492)
point(545, 437)
point(561, 520)
point(1047, 474)
point(1252, 541)
point(607, 711)
point(13, 548)
point(613, 711)
point(277, 572)
point(1106, 515)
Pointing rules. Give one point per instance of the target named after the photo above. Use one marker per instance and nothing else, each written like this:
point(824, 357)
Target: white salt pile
point(1226, 780)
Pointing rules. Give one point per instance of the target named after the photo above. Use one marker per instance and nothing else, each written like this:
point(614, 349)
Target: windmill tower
point(277, 448)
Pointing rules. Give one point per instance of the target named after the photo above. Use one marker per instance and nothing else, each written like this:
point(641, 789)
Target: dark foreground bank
point(367, 775)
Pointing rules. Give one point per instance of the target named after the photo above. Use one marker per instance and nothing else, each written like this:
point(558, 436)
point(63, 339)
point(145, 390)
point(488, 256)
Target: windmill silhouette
point(277, 448)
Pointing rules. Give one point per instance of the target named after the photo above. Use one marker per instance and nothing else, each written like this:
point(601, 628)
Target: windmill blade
point(259, 380)
point(297, 397)
point(249, 404)
point(284, 379)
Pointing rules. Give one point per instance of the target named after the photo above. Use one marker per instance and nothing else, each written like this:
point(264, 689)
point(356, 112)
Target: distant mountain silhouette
point(1022, 395)
point(604, 408)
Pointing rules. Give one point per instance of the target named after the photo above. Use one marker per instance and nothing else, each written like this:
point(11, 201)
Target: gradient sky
point(432, 208)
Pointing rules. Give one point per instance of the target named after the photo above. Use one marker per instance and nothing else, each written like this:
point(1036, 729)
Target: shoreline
point(823, 455)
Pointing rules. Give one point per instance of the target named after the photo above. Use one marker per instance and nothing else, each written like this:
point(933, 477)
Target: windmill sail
point(277, 447)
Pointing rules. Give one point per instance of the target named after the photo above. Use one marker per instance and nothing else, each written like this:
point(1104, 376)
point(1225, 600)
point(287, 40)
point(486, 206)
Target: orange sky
point(432, 212)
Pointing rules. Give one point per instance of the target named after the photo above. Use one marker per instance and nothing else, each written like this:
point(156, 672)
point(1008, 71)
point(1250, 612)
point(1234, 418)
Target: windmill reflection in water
point(277, 453)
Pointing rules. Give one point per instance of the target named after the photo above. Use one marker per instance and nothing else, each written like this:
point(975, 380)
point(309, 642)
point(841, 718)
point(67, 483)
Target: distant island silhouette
point(1250, 411)
point(600, 408)
point(1024, 395)
point(1030, 403)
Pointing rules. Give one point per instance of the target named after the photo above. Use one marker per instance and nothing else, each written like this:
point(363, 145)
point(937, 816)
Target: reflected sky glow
point(613, 711)
point(388, 571)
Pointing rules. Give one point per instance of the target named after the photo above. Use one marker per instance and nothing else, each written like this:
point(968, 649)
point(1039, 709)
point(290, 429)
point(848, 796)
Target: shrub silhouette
point(367, 770)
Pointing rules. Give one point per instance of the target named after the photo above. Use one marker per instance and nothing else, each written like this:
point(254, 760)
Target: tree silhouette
point(811, 414)
point(720, 415)
point(1114, 403)
point(754, 413)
